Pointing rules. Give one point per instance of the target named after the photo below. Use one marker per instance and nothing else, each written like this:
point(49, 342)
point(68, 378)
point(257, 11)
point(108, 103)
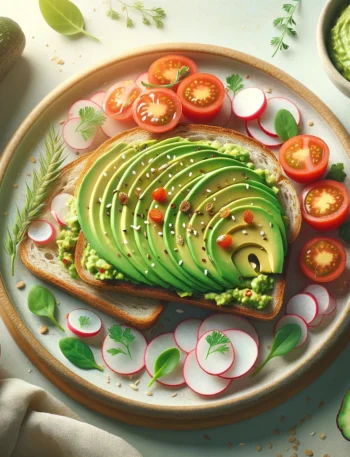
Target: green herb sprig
point(78, 353)
point(234, 83)
point(42, 302)
point(90, 121)
point(124, 337)
point(336, 173)
point(35, 199)
point(286, 25)
point(165, 363)
point(218, 342)
point(149, 15)
point(180, 74)
point(83, 321)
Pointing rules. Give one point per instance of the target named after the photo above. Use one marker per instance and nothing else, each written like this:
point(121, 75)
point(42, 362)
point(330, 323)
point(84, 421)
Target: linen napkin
point(35, 424)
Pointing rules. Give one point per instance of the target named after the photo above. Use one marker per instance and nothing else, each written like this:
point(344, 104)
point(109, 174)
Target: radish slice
point(293, 319)
point(143, 77)
point(111, 127)
point(186, 334)
point(121, 363)
point(332, 306)
point(254, 131)
point(73, 138)
point(77, 106)
point(303, 305)
point(321, 295)
point(249, 103)
point(154, 349)
point(98, 98)
point(221, 321)
point(41, 232)
point(201, 382)
point(221, 120)
point(318, 319)
point(91, 327)
point(60, 207)
point(274, 104)
point(215, 363)
point(246, 354)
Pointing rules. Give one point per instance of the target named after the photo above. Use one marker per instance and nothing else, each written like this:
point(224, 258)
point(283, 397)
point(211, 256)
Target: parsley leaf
point(84, 320)
point(285, 24)
point(113, 14)
point(124, 337)
point(154, 14)
point(217, 343)
point(90, 120)
point(336, 173)
point(234, 83)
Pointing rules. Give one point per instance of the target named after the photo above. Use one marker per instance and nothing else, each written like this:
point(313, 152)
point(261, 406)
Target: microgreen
point(180, 74)
point(90, 121)
point(336, 173)
point(84, 320)
point(124, 337)
point(149, 15)
point(217, 343)
point(165, 363)
point(234, 83)
point(42, 302)
point(78, 353)
point(285, 125)
point(286, 25)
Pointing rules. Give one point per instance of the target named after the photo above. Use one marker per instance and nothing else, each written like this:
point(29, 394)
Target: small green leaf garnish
point(234, 83)
point(90, 121)
point(84, 320)
point(165, 363)
point(285, 125)
point(336, 173)
point(344, 232)
point(42, 302)
point(148, 15)
point(180, 74)
point(217, 343)
point(113, 14)
point(124, 337)
point(78, 353)
point(285, 24)
point(285, 340)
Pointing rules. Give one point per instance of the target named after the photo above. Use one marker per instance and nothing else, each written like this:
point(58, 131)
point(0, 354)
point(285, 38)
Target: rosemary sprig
point(36, 194)
point(155, 14)
point(285, 24)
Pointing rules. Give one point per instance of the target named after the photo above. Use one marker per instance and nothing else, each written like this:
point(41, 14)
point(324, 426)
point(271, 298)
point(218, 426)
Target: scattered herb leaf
point(234, 83)
point(286, 25)
point(344, 232)
point(285, 125)
point(217, 343)
point(148, 15)
point(78, 353)
point(165, 363)
point(124, 337)
point(285, 340)
point(84, 320)
point(336, 173)
point(90, 121)
point(113, 14)
point(42, 302)
point(180, 74)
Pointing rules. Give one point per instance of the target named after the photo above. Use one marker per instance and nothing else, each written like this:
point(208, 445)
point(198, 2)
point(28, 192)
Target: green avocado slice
point(343, 418)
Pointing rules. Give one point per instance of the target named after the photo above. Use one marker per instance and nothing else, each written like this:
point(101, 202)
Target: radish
point(186, 334)
point(84, 323)
point(318, 319)
point(122, 363)
point(111, 127)
point(332, 306)
point(220, 321)
point(254, 131)
point(73, 138)
point(214, 362)
point(321, 295)
point(303, 305)
point(249, 103)
point(80, 104)
point(274, 104)
point(221, 120)
point(41, 232)
point(98, 98)
point(293, 319)
point(201, 382)
point(60, 207)
point(246, 354)
point(154, 349)
point(142, 77)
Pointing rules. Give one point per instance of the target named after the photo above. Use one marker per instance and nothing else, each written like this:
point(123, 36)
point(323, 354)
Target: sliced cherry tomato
point(248, 216)
point(156, 216)
point(325, 204)
point(157, 110)
point(159, 195)
point(304, 158)
point(118, 100)
point(224, 241)
point(322, 259)
point(164, 70)
point(202, 96)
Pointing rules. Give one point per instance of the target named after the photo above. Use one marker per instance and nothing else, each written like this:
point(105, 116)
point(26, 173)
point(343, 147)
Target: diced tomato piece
point(248, 216)
point(224, 241)
point(156, 216)
point(159, 195)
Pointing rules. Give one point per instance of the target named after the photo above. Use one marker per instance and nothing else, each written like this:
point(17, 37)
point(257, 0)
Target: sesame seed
point(170, 175)
point(149, 394)
point(241, 444)
point(104, 174)
point(262, 233)
point(190, 174)
point(153, 170)
point(313, 433)
point(153, 265)
point(259, 448)
point(247, 186)
point(160, 233)
point(174, 395)
point(134, 172)
point(209, 191)
point(244, 232)
point(172, 232)
point(146, 272)
point(181, 262)
point(214, 199)
point(322, 436)
point(125, 241)
point(233, 218)
point(123, 156)
point(206, 272)
point(134, 387)
point(135, 227)
point(170, 225)
point(118, 384)
point(180, 311)
point(137, 382)
point(184, 225)
point(109, 205)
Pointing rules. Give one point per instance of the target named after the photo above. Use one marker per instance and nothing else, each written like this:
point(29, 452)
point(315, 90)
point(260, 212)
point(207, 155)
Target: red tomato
point(202, 96)
point(156, 216)
point(304, 158)
point(325, 204)
point(164, 70)
point(248, 216)
point(157, 110)
point(224, 241)
point(322, 259)
point(159, 195)
point(118, 100)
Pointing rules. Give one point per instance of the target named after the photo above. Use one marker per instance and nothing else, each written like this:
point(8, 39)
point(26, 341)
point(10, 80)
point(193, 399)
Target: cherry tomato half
point(322, 259)
point(159, 195)
point(224, 241)
point(304, 158)
point(156, 216)
point(325, 204)
point(202, 96)
point(164, 70)
point(157, 110)
point(118, 100)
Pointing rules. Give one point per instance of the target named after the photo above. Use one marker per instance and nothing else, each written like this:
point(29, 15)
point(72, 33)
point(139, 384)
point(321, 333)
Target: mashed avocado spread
point(340, 43)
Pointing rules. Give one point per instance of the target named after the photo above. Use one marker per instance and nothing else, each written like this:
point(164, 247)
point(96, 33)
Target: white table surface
point(243, 25)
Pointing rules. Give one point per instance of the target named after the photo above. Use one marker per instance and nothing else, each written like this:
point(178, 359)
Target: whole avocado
point(12, 43)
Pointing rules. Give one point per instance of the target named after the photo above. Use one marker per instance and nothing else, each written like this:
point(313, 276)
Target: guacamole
point(340, 43)
point(98, 267)
point(67, 240)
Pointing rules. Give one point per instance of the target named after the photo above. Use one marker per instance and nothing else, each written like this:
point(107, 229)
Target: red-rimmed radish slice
point(332, 306)
point(60, 207)
point(254, 131)
point(111, 127)
point(293, 319)
point(83, 322)
point(320, 293)
point(303, 305)
point(317, 321)
point(121, 363)
point(221, 120)
point(73, 138)
point(201, 382)
point(219, 321)
point(249, 103)
point(80, 104)
point(143, 77)
point(98, 98)
point(246, 354)
point(215, 363)
point(154, 349)
point(274, 104)
point(186, 334)
point(41, 232)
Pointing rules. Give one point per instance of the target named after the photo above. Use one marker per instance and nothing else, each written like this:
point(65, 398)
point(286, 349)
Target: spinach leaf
point(344, 232)
point(285, 125)
point(42, 303)
point(285, 340)
point(64, 17)
point(165, 363)
point(78, 353)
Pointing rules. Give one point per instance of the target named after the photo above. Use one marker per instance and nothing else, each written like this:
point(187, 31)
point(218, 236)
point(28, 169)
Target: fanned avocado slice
point(343, 418)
